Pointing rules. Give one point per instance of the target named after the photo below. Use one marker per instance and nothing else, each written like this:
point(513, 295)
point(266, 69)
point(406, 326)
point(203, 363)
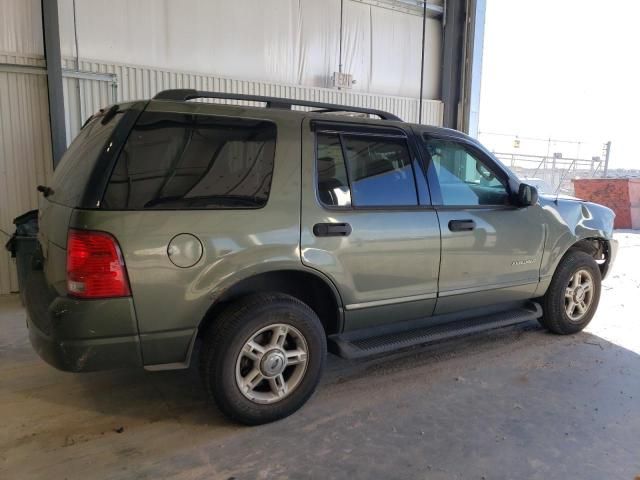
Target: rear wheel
point(573, 295)
point(263, 358)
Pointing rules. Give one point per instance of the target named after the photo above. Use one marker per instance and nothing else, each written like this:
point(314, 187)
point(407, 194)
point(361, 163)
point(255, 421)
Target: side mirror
point(527, 195)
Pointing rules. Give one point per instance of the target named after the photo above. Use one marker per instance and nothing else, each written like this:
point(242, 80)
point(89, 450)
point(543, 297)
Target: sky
point(565, 69)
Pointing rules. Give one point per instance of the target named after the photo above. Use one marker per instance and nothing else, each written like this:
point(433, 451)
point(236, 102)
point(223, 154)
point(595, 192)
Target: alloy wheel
point(272, 363)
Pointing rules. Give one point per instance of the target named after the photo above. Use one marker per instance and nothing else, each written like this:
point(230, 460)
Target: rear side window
point(72, 175)
point(377, 171)
point(183, 161)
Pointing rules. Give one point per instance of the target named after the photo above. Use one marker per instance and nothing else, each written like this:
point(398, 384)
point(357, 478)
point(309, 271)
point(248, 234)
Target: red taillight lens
point(95, 268)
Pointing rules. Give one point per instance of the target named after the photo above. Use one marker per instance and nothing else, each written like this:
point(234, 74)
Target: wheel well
point(597, 247)
point(306, 287)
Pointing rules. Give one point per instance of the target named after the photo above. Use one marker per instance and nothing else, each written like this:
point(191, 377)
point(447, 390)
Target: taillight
point(95, 267)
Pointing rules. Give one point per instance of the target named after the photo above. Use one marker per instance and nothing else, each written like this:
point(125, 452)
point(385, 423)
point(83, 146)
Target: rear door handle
point(332, 229)
point(461, 225)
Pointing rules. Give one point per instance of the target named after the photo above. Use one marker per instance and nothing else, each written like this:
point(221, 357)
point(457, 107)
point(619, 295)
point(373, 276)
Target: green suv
point(267, 235)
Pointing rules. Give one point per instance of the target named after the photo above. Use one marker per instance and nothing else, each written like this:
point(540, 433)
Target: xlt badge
point(523, 262)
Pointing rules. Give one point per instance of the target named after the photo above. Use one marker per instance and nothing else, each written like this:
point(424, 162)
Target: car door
point(367, 221)
point(491, 248)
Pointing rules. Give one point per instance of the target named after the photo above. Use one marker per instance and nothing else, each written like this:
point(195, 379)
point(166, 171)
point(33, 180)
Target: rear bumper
point(80, 335)
point(85, 355)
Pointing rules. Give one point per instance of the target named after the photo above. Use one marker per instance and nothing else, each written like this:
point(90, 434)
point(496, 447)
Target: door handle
point(461, 225)
point(332, 229)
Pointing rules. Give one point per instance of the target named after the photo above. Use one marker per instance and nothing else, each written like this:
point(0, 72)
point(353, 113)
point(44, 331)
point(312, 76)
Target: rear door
point(491, 248)
point(70, 180)
point(367, 221)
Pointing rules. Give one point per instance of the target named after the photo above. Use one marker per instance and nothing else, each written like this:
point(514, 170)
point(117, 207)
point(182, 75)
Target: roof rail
point(272, 102)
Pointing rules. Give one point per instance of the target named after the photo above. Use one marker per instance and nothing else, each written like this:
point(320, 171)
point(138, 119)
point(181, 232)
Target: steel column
point(474, 45)
point(51, 35)
point(452, 48)
point(424, 31)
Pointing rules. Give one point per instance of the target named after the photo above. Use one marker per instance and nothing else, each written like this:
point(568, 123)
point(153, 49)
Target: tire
point(556, 303)
point(281, 329)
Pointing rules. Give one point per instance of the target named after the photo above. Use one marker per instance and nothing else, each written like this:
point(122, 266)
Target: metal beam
point(452, 57)
point(82, 75)
point(20, 68)
point(607, 154)
point(66, 72)
point(474, 45)
point(51, 35)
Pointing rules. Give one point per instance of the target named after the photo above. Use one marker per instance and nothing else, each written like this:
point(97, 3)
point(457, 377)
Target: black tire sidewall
point(555, 317)
point(228, 343)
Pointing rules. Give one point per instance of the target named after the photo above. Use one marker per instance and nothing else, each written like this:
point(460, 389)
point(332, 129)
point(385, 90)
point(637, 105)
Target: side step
point(389, 338)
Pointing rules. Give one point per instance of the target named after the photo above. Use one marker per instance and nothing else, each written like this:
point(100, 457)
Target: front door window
point(464, 179)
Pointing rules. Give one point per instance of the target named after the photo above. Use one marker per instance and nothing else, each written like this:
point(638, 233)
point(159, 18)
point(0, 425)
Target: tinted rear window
point(72, 174)
point(183, 161)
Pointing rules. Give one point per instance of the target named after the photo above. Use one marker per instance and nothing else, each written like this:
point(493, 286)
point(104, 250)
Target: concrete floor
point(517, 403)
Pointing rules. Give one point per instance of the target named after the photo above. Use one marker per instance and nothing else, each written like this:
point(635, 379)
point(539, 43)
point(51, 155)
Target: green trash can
point(23, 245)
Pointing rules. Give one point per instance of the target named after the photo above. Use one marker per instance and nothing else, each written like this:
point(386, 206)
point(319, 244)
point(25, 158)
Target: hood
point(552, 197)
point(548, 198)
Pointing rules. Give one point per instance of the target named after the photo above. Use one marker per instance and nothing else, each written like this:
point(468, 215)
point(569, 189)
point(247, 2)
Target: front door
point(491, 248)
point(367, 221)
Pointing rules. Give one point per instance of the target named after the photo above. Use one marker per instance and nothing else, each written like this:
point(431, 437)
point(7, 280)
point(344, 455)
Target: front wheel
point(573, 295)
point(263, 358)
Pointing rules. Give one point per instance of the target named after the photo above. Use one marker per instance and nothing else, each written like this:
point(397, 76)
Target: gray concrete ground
point(517, 403)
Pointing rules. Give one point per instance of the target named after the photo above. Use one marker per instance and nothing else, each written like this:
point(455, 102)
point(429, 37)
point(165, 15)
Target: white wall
point(293, 42)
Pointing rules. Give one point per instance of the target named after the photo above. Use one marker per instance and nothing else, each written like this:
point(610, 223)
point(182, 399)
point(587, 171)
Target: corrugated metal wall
point(84, 97)
point(25, 149)
point(25, 143)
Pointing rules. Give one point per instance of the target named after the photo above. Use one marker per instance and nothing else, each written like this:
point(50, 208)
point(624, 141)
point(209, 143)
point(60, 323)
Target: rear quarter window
point(76, 165)
point(184, 161)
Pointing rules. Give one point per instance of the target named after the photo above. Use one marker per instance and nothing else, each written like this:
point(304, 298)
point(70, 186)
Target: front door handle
point(461, 225)
point(332, 229)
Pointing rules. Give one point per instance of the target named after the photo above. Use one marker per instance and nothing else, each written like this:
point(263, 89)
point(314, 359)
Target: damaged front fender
point(572, 222)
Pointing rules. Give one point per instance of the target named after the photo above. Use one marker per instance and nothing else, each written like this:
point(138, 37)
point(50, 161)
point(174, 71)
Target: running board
point(389, 338)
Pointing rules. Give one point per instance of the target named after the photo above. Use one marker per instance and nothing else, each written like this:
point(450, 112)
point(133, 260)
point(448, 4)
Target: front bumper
point(612, 245)
point(80, 335)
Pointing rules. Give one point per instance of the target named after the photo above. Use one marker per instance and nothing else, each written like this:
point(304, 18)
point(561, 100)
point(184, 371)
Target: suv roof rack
point(184, 94)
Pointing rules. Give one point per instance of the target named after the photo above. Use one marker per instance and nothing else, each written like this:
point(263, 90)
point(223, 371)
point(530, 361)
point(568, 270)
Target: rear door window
point(184, 161)
point(333, 184)
point(72, 175)
point(377, 172)
point(380, 171)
